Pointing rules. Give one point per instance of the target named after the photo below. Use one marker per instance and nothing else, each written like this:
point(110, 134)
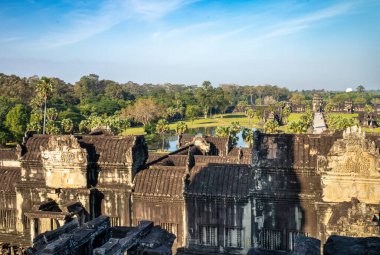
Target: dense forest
point(92, 102)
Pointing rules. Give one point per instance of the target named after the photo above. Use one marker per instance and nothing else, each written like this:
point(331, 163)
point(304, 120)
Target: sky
point(305, 44)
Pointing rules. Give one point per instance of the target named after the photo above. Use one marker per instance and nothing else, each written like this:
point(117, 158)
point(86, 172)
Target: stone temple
point(212, 197)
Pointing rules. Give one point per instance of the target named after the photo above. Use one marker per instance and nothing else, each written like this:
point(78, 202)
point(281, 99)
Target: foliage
point(329, 107)
point(52, 127)
point(271, 126)
point(44, 89)
point(298, 127)
point(284, 114)
point(360, 89)
point(181, 128)
point(248, 136)
point(192, 112)
point(360, 100)
point(204, 96)
point(35, 122)
point(230, 131)
point(162, 127)
point(260, 113)
point(144, 110)
point(339, 122)
point(297, 98)
point(92, 96)
point(369, 109)
point(67, 126)
point(17, 120)
point(5, 135)
point(250, 113)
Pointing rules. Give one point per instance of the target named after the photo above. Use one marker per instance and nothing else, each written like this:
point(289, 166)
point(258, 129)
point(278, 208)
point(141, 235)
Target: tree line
point(50, 105)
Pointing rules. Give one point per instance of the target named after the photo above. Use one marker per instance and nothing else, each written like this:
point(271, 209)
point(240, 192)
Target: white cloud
point(287, 27)
point(82, 24)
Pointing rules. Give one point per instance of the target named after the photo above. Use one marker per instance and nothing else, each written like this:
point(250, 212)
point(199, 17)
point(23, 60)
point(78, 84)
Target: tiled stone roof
point(220, 180)
point(160, 181)
point(107, 149)
point(101, 149)
point(8, 177)
point(8, 154)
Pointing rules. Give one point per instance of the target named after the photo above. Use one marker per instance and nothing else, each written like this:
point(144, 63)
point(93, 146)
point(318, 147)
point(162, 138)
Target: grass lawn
point(294, 116)
point(214, 121)
point(373, 130)
point(344, 115)
point(227, 119)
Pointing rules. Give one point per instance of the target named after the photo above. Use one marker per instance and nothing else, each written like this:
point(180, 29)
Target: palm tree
point(222, 131)
point(180, 129)
point(250, 114)
point(247, 135)
point(271, 126)
point(44, 89)
point(161, 128)
point(67, 125)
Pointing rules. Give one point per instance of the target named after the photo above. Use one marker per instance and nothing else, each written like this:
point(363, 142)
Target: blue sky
point(297, 44)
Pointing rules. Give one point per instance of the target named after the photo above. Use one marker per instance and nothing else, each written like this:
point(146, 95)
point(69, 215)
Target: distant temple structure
point(211, 196)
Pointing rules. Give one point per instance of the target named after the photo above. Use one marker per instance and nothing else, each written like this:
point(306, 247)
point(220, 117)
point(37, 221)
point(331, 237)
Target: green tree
point(192, 112)
point(360, 89)
point(297, 98)
point(369, 109)
point(329, 107)
point(250, 113)
point(35, 121)
point(338, 122)
point(67, 126)
point(51, 114)
point(145, 110)
point(230, 131)
point(271, 126)
point(16, 121)
point(260, 113)
point(5, 135)
point(180, 129)
point(52, 127)
point(44, 89)
point(248, 136)
point(298, 127)
point(205, 97)
point(285, 113)
point(161, 128)
point(222, 131)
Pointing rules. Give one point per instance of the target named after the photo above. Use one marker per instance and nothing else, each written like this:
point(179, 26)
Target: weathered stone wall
point(209, 219)
point(167, 213)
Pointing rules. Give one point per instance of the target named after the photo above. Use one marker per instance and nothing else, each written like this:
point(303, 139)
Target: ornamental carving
point(352, 155)
point(63, 149)
point(64, 162)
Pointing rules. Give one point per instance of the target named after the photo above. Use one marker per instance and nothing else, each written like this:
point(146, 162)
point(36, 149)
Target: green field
point(227, 119)
point(215, 121)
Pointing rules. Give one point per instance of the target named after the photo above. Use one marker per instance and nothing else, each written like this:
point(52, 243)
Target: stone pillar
point(33, 233)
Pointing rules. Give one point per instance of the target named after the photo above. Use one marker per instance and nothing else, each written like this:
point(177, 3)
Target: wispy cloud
point(82, 24)
point(154, 9)
point(10, 39)
point(292, 26)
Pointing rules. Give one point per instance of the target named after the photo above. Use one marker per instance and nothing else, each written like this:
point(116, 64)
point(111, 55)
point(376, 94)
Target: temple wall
point(165, 212)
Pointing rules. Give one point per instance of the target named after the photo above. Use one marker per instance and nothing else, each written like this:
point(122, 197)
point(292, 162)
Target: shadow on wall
point(284, 188)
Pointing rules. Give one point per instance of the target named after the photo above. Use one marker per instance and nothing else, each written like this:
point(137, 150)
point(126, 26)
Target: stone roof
point(200, 159)
point(8, 154)
point(8, 177)
point(101, 149)
point(33, 145)
point(160, 181)
point(108, 149)
point(220, 180)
